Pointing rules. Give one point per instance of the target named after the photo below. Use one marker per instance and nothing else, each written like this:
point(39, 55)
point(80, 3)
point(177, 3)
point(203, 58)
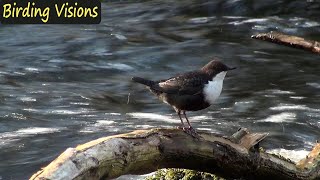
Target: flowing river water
point(63, 85)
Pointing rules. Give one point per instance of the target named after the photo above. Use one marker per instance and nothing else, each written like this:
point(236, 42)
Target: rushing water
point(63, 85)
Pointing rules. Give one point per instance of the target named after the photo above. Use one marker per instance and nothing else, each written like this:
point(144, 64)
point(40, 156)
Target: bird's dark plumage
point(143, 81)
point(185, 92)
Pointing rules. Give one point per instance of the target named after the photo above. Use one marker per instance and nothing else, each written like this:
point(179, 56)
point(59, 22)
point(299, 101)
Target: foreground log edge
point(144, 151)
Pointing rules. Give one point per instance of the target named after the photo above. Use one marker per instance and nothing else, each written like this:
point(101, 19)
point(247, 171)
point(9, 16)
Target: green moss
point(181, 174)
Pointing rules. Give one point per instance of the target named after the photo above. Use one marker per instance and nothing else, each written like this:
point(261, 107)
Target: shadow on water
point(63, 85)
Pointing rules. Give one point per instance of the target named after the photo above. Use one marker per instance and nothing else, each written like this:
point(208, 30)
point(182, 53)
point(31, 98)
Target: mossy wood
point(288, 40)
point(145, 151)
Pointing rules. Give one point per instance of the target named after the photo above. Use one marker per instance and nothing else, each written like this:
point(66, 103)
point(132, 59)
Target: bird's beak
point(229, 69)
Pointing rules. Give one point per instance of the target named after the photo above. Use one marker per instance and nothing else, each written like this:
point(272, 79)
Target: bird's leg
point(179, 114)
point(185, 116)
point(190, 130)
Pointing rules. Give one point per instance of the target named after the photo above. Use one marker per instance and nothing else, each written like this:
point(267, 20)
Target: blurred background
point(63, 85)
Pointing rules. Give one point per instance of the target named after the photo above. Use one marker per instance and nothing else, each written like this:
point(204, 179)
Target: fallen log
point(145, 151)
point(288, 40)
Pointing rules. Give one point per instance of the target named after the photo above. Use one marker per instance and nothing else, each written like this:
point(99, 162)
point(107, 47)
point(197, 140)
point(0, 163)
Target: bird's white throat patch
point(213, 89)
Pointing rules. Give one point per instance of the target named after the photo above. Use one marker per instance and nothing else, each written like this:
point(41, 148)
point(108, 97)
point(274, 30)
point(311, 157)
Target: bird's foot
point(192, 132)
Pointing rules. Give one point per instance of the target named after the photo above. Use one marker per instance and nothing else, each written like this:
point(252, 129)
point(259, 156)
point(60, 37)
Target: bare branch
point(288, 40)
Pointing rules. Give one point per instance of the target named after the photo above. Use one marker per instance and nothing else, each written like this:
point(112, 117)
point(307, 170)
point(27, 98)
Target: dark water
point(62, 85)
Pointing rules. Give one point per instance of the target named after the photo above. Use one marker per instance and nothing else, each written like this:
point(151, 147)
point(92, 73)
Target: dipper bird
point(190, 91)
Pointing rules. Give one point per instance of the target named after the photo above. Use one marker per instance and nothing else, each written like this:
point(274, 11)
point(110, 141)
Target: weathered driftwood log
point(288, 40)
point(144, 151)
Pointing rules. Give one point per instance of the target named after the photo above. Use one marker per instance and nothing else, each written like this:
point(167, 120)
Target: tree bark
point(288, 40)
point(145, 151)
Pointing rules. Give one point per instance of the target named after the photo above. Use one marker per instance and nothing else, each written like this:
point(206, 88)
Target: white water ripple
point(282, 117)
point(153, 116)
point(24, 132)
point(288, 107)
point(165, 118)
point(293, 155)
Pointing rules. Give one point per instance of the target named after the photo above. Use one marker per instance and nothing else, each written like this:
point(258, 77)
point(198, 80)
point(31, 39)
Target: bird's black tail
point(143, 81)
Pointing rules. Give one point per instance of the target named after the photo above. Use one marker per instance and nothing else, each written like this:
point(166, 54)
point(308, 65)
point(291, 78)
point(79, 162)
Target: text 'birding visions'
point(50, 11)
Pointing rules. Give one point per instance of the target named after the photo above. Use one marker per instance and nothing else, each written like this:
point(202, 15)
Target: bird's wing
point(184, 84)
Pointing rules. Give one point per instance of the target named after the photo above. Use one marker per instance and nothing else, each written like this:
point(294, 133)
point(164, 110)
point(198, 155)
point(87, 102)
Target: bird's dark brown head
point(214, 67)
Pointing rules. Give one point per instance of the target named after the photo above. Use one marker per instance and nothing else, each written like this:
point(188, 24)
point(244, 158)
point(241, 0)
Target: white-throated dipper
point(190, 91)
